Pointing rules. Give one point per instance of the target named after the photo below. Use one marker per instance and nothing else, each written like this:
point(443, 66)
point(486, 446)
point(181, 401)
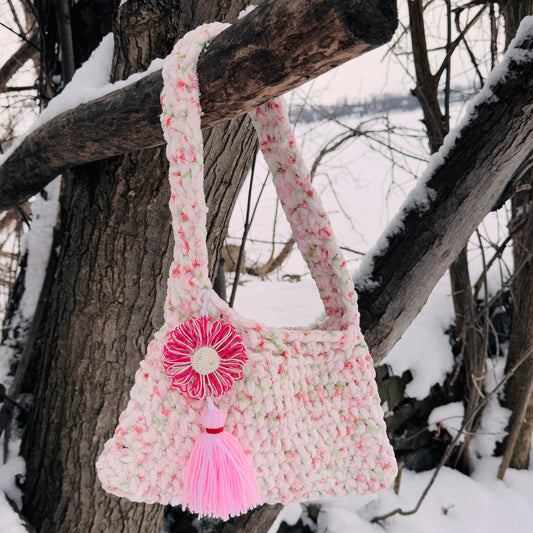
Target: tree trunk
point(522, 326)
point(108, 293)
point(522, 288)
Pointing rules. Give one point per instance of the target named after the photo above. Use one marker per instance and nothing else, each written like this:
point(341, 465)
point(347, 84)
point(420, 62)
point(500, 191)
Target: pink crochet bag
point(304, 420)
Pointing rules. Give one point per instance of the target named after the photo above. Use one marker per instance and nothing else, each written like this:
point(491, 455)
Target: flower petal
point(192, 334)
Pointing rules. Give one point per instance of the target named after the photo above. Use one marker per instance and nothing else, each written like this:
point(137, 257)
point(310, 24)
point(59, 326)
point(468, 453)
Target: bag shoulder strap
point(181, 122)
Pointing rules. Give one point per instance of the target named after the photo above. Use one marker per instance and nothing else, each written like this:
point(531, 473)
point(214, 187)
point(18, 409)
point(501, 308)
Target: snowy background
point(361, 204)
point(362, 192)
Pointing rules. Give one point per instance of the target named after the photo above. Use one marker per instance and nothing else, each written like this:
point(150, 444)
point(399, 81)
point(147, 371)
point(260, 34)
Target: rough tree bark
point(517, 393)
point(109, 290)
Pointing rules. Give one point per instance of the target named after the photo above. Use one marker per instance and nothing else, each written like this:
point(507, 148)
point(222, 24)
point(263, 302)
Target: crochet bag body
point(302, 403)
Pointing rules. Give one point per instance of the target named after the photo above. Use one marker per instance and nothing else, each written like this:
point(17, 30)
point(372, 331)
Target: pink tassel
point(220, 481)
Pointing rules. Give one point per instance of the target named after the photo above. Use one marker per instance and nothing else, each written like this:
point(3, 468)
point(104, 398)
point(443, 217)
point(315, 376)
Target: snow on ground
point(424, 348)
point(449, 416)
point(495, 417)
point(37, 242)
point(15, 466)
point(362, 203)
point(9, 521)
point(289, 304)
point(456, 503)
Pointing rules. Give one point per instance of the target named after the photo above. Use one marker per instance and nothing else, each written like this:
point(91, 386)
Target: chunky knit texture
point(306, 412)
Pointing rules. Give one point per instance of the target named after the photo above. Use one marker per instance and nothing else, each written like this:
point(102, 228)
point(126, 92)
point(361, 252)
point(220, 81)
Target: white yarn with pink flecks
point(306, 412)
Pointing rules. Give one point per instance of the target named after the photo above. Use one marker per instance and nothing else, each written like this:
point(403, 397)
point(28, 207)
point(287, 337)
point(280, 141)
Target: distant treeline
point(378, 105)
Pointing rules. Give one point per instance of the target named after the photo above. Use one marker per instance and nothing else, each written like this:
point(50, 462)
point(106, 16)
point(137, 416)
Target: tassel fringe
point(220, 481)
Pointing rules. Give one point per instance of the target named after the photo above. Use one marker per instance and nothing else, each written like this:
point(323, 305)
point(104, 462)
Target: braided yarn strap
point(181, 121)
point(303, 208)
point(203, 357)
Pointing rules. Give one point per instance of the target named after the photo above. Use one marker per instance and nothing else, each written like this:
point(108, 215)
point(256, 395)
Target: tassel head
point(213, 418)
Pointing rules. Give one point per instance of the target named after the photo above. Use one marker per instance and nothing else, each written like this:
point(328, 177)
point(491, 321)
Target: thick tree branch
point(275, 48)
point(493, 148)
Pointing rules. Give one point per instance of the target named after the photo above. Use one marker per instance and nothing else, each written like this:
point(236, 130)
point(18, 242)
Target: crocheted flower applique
point(204, 357)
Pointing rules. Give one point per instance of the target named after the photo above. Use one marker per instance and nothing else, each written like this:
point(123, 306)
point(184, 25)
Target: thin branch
point(508, 283)
point(493, 36)
point(274, 262)
point(283, 243)
point(12, 89)
point(331, 146)
point(471, 54)
point(20, 35)
point(247, 225)
point(15, 16)
point(493, 259)
point(448, 64)
point(15, 62)
point(456, 42)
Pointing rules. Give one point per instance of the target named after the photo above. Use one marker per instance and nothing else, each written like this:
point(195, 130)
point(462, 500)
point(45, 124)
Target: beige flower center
point(205, 360)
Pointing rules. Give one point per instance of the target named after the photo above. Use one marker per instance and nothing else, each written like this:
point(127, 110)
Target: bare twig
point(16, 61)
point(247, 225)
point(447, 64)
point(398, 479)
point(507, 283)
point(514, 431)
point(15, 16)
point(493, 36)
point(499, 251)
point(345, 248)
point(471, 55)
point(20, 35)
point(274, 262)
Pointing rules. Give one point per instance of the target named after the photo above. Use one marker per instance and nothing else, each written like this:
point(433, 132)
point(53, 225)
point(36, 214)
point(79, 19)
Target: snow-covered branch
point(491, 148)
point(275, 48)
